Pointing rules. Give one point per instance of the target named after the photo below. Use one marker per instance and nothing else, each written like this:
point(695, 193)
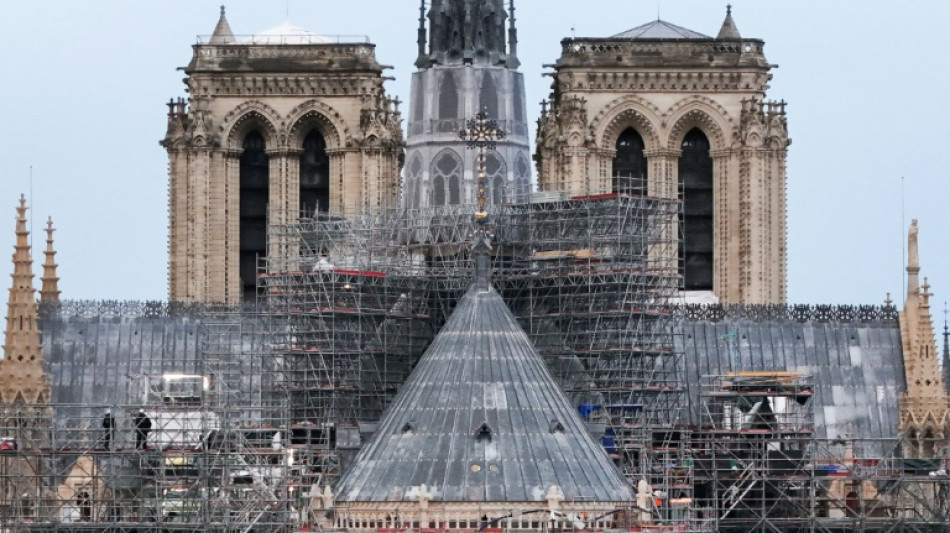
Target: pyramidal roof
point(481, 420)
point(660, 29)
point(729, 30)
point(222, 32)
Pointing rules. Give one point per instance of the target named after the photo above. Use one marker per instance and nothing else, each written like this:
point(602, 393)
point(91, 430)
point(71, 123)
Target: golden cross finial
point(481, 134)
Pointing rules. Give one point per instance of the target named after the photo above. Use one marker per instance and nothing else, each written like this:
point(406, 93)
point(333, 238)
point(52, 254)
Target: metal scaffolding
point(249, 431)
point(760, 467)
point(590, 279)
point(189, 445)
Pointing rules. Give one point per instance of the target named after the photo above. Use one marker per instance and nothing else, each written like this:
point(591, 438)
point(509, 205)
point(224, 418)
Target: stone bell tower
point(276, 124)
point(661, 110)
point(470, 65)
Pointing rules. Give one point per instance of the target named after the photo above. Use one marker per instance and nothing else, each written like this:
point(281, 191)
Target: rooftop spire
point(917, 333)
point(729, 31)
point(21, 371)
point(222, 32)
point(49, 290)
point(421, 40)
point(513, 61)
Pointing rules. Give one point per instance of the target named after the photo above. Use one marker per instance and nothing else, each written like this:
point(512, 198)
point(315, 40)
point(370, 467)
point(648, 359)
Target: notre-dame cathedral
point(387, 316)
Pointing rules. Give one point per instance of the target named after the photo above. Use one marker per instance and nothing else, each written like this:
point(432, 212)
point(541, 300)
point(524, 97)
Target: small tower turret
point(729, 31)
point(222, 32)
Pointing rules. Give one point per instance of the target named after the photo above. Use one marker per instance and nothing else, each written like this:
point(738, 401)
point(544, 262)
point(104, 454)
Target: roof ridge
point(650, 31)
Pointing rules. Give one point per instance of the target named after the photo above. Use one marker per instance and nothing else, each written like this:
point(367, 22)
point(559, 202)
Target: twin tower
point(287, 122)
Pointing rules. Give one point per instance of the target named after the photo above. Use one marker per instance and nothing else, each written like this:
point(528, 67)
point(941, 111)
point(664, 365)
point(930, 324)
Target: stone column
point(217, 227)
point(177, 224)
point(283, 204)
point(729, 170)
point(232, 202)
point(199, 169)
point(662, 182)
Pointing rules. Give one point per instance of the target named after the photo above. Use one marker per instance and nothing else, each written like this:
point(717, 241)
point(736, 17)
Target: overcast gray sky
point(84, 87)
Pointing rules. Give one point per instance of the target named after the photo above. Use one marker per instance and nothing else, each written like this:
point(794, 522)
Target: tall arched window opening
point(448, 98)
point(522, 177)
point(696, 220)
point(314, 175)
point(488, 97)
point(495, 173)
point(254, 182)
point(630, 165)
point(413, 177)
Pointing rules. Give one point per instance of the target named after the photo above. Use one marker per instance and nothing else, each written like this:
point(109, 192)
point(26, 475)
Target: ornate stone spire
point(49, 290)
point(729, 31)
point(925, 408)
point(920, 346)
point(22, 379)
point(222, 32)
point(467, 31)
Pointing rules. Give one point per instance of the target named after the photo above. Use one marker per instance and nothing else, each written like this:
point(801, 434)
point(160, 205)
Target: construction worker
point(108, 426)
point(143, 425)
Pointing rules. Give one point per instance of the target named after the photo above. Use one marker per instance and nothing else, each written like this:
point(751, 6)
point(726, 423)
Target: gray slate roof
point(857, 367)
point(660, 29)
point(481, 368)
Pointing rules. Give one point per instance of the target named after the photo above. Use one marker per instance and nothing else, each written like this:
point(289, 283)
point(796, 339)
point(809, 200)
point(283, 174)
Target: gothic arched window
point(448, 98)
point(630, 165)
point(446, 173)
point(488, 97)
point(314, 175)
point(696, 222)
point(413, 177)
point(522, 177)
point(495, 170)
point(254, 183)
